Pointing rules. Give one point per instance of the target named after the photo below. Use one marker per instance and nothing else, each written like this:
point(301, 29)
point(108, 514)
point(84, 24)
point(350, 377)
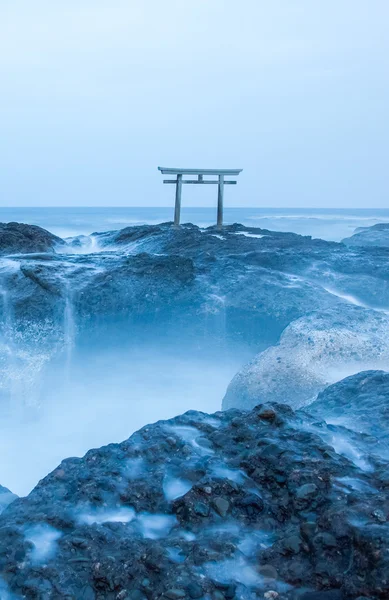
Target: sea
point(326, 223)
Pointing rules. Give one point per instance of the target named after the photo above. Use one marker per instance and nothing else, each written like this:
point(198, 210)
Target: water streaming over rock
point(69, 328)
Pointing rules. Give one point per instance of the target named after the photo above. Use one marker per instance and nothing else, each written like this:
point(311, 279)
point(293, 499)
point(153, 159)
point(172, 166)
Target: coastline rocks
point(208, 286)
point(234, 290)
point(313, 352)
point(239, 506)
point(359, 402)
point(243, 284)
point(377, 235)
point(6, 497)
point(19, 238)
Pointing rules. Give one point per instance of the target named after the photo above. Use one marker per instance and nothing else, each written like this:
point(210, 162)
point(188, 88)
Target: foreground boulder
point(314, 352)
point(377, 235)
point(231, 505)
point(360, 402)
point(18, 238)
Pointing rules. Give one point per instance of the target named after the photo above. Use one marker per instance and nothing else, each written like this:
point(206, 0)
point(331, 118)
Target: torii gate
point(221, 173)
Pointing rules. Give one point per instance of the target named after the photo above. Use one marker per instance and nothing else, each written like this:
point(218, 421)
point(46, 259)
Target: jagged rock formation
point(21, 238)
point(231, 505)
point(377, 235)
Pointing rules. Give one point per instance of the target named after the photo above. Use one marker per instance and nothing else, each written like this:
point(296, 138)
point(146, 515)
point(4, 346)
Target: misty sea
point(330, 224)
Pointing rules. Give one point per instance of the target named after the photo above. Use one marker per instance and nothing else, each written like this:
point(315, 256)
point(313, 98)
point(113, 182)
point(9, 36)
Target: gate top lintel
point(173, 171)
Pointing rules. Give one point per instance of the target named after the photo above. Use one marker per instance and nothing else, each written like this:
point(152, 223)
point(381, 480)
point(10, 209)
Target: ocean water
point(330, 224)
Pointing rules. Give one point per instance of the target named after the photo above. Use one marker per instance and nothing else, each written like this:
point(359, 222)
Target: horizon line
point(198, 207)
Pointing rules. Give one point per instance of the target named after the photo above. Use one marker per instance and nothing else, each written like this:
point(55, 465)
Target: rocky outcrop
point(237, 289)
point(252, 281)
point(157, 276)
point(377, 235)
point(6, 497)
point(18, 238)
point(360, 402)
point(314, 351)
point(231, 505)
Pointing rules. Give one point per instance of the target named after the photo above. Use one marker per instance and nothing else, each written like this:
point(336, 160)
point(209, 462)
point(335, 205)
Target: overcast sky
point(96, 94)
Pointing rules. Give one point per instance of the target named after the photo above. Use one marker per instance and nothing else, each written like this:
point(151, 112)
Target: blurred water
point(104, 397)
point(331, 224)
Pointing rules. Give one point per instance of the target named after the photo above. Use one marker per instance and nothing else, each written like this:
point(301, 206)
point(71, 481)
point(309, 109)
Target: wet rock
point(18, 238)
point(175, 594)
point(374, 236)
point(201, 509)
point(379, 516)
point(241, 289)
point(101, 531)
point(195, 590)
point(326, 540)
point(252, 503)
point(230, 591)
point(308, 530)
point(292, 544)
point(267, 413)
point(307, 491)
point(360, 402)
point(324, 595)
point(221, 505)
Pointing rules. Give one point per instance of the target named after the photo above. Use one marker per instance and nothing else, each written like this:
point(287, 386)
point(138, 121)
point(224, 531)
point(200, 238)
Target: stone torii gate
point(220, 181)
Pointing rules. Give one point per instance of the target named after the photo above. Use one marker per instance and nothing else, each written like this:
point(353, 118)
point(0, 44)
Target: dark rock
point(292, 544)
point(18, 238)
point(230, 591)
point(195, 590)
point(361, 402)
point(109, 534)
point(175, 594)
point(253, 504)
point(221, 505)
point(267, 412)
point(135, 595)
point(201, 509)
point(308, 530)
point(325, 595)
point(374, 236)
point(325, 539)
point(304, 492)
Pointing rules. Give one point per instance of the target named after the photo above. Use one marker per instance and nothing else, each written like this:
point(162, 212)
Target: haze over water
point(326, 223)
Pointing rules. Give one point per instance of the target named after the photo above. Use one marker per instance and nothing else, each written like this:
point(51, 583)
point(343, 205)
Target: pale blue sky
point(97, 93)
